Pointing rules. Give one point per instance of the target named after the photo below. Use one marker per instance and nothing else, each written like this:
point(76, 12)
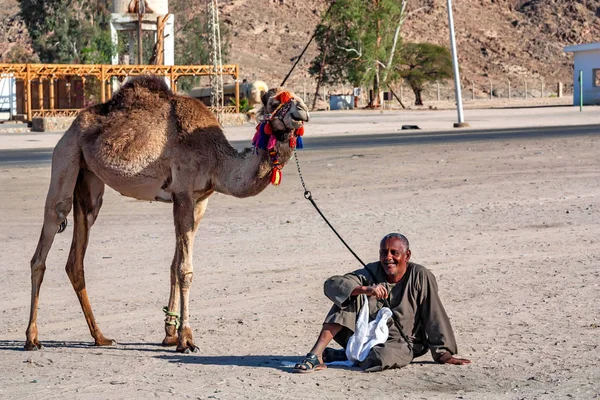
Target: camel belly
point(148, 192)
point(147, 185)
point(145, 192)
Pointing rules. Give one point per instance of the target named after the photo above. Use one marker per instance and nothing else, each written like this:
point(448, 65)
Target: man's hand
point(448, 358)
point(379, 291)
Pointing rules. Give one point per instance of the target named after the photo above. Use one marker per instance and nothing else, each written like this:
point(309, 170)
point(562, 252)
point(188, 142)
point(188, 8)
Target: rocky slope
point(496, 38)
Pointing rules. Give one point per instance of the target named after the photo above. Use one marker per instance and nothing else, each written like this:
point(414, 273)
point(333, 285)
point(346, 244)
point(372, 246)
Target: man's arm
point(340, 288)
point(437, 324)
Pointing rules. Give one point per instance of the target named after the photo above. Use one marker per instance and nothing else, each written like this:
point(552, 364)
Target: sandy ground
point(510, 229)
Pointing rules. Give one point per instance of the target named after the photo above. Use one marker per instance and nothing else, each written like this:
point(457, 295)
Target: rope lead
point(308, 196)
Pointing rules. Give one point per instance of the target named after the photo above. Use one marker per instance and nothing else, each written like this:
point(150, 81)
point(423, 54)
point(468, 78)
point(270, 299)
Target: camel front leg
point(187, 215)
point(172, 311)
point(59, 202)
point(172, 318)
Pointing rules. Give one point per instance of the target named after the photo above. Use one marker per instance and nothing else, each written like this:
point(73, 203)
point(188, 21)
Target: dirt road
point(510, 229)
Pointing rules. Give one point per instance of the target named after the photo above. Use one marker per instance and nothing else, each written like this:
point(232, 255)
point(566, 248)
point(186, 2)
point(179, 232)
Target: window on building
point(596, 75)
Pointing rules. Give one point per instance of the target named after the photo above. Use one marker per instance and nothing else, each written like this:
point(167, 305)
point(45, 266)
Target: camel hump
point(140, 86)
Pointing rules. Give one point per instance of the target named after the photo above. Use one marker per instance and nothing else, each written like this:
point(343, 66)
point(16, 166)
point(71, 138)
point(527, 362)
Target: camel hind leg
point(65, 168)
point(87, 201)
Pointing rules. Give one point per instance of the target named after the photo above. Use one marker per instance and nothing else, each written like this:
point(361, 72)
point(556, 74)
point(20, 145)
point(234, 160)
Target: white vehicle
point(8, 98)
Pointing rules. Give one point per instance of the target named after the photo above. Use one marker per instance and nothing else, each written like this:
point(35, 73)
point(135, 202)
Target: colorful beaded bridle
point(265, 139)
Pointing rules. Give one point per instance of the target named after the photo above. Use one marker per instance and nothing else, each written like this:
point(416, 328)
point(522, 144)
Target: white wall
point(586, 61)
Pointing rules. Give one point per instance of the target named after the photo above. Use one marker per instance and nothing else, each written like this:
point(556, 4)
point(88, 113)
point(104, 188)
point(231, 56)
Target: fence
point(472, 90)
point(41, 87)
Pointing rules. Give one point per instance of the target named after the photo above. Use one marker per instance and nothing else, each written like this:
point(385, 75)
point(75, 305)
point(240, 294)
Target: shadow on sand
point(17, 345)
point(283, 363)
point(262, 361)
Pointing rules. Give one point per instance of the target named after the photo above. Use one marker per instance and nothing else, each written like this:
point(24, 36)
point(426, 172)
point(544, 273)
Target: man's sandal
point(310, 363)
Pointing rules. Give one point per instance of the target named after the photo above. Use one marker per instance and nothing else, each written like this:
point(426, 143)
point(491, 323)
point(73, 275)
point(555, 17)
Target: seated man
point(419, 324)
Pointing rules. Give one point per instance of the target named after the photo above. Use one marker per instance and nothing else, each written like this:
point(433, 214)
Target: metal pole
point(40, 86)
point(28, 98)
point(52, 93)
point(172, 78)
point(580, 90)
point(83, 102)
point(459, 108)
point(237, 89)
point(11, 97)
point(141, 12)
point(102, 84)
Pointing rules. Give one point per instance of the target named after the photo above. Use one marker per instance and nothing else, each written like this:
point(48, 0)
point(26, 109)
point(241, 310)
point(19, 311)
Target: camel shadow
point(279, 362)
point(17, 345)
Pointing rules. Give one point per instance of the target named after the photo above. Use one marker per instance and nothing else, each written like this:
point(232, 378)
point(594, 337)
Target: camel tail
point(62, 226)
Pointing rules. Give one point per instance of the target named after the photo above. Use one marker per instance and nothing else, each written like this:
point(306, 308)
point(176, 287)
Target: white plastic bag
point(367, 334)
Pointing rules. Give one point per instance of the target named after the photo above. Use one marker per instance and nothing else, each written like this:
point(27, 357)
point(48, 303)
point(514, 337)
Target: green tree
point(357, 42)
point(68, 31)
point(422, 63)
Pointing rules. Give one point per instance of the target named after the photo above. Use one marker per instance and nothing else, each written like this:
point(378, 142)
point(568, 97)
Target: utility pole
point(141, 11)
point(457, 89)
point(216, 77)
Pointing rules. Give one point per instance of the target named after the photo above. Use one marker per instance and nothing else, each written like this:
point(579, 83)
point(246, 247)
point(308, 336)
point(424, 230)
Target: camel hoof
point(194, 349)
point(105, 342)
point(33, 346)
point(188, 350)
point(170, 341)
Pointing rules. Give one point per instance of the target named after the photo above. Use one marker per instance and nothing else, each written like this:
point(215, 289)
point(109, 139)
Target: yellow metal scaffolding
point(30, 73)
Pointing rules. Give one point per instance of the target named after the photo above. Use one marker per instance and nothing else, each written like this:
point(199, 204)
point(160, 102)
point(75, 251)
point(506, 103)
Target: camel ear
point(267, 96)
point(264, 97)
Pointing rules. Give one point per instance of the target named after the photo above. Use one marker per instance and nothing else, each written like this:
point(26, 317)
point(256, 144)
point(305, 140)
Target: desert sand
point(510, 229)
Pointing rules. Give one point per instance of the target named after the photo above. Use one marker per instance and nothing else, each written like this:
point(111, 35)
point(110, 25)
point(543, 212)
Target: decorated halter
point(265, 140)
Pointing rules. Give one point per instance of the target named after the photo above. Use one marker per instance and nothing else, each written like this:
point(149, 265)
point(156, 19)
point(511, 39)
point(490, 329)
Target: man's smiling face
point(394, 257)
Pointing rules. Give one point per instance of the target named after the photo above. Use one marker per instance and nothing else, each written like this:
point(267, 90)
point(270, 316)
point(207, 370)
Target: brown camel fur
point(150, 144)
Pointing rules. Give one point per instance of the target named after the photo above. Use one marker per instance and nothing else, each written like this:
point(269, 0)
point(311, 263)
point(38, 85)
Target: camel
point(151, 144)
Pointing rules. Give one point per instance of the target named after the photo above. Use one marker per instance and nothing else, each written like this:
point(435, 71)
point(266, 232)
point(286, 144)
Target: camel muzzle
point(304, 117)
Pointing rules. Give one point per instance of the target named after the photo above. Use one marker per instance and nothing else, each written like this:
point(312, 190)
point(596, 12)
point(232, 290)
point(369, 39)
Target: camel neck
point(247, 173)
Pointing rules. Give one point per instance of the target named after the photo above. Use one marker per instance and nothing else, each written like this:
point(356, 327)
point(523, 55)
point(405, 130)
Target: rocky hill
point(496, 38)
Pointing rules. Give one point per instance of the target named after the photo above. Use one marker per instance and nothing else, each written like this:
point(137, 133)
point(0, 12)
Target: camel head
point(281, 125)
point(285, 112)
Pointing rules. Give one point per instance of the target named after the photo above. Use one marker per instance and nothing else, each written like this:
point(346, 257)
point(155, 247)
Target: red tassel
point(300, 131)
point(284, 97)
point(268, 130)
point(276, 176)
point(293, 142)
